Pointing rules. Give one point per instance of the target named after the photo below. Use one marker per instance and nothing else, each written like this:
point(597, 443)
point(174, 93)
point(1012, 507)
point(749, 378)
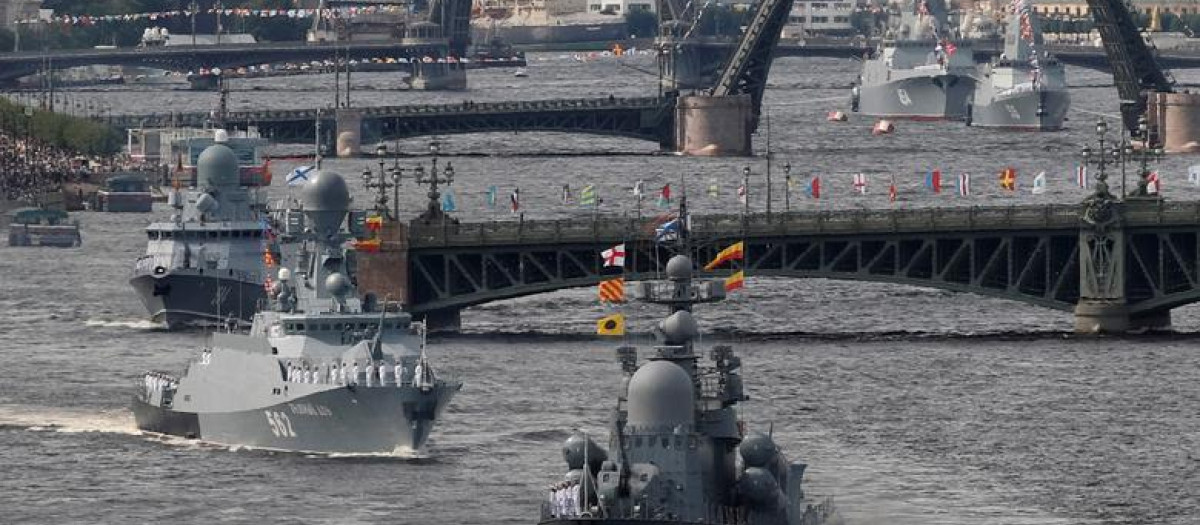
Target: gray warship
point(919, 71)
point(1026, 87)
point(206, 264)
point(678, 451)
point(319, 371)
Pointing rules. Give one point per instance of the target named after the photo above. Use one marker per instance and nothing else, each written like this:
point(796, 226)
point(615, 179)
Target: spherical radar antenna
point(326, 202)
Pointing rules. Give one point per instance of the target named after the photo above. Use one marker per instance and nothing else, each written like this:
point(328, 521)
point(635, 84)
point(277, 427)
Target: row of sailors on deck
point(565, 499)
point(156, 383)
point(373, 373)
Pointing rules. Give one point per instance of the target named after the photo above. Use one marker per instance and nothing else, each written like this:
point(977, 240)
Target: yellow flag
point(611, 325)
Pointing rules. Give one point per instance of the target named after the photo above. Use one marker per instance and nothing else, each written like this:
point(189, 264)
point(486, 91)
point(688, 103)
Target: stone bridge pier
point(438, 77)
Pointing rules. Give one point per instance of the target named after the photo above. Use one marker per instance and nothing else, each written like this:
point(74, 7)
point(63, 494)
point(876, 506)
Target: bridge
point(1116, 265)
point(719, 122)
point(195, 58)
point(647, 118)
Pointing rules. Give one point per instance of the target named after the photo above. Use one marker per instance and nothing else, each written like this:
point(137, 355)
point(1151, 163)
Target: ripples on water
point(912, 406)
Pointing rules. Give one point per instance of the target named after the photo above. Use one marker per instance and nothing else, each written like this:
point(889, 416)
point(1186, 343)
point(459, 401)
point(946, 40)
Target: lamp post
point(219, 7)
point(787, 186)
point(381, 183)
point(193, 8)
point(745, 191)
point(1100, 158)
point(433, 179)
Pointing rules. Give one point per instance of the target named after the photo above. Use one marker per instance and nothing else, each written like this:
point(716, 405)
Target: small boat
point(520, 73)
point(42, 227)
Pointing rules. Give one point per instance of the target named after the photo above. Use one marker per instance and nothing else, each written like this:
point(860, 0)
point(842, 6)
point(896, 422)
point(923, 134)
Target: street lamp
point(1100, 158)
point(745, 191)
point(433, 179)
point(380, 183)
point(787, 186)
point(193, 8)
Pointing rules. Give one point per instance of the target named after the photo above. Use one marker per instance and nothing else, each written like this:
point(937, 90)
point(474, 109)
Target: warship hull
point(925, 97)
point(350, 420)
point(520, 34)
point(182, 299)
point(1042, 110)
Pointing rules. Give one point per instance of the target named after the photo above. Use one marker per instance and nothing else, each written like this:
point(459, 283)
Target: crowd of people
point(564, 499)
point(30, 168)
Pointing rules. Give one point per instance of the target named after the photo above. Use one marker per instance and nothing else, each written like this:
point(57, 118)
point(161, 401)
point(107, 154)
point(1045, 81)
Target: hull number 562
point(280, 425)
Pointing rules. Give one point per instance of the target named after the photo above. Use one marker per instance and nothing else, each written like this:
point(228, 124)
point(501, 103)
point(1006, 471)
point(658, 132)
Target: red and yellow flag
point(728, 254)
point(612, 290)
point(368, 245)
point(1008, 179)
point(374, 223)
point(737, 281)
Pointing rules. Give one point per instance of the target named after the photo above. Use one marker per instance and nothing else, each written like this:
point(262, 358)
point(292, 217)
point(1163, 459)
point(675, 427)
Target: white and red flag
point(860, 183)
point(614, 256)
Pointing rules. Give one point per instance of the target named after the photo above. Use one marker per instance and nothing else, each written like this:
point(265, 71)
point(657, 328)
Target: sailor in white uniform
point(399, 372)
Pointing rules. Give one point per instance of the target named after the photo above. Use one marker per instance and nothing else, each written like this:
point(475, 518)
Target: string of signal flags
point(1006, 181)
point(611, 291)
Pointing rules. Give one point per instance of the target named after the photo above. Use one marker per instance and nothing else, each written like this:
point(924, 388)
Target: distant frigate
point(678, 450)
point(319, 371)
point(206, 264)
point(919, 71)
point(1026, 87)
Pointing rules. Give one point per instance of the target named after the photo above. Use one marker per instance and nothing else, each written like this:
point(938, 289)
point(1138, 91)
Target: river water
point(912, 406)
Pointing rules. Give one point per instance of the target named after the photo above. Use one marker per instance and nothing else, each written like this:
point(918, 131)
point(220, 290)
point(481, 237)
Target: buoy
point(883, 127)
point(836, 116)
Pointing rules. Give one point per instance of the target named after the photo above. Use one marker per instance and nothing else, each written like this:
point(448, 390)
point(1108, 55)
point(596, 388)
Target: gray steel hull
point(182, 298)
point(1020, 111)
point(932, 97)
point(358, 420)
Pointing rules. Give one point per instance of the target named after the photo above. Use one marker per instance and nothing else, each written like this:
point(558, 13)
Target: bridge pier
point(1175, 118)
point(349, 132)
point(690, 64)
point(438, 77)
point(713, 126)
point(447, 320)
point(208, 82)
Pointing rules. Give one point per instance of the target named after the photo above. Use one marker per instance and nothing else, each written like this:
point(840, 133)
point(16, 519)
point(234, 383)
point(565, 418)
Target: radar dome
point(217, 166)
point(759, 488)
point(660, 394)
point(679, 328)
point(284, 274)
point(573, 451)
point(758, 450)
point(220, 136)
point(326, 201)
point(337, 284)
point(679, 268)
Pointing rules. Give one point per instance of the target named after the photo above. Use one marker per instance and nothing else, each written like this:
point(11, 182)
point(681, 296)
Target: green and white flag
point(587, 196)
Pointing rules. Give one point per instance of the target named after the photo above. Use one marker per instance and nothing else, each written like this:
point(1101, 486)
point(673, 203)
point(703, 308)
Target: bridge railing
point(474, 108)
point(608, 228)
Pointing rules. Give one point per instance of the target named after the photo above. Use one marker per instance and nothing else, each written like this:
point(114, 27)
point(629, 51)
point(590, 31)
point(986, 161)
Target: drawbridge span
point(1042, 255)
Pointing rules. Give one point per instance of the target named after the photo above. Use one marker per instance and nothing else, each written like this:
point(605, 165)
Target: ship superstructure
point(678, 450)
point(1026, 87)
point(921, 69)
point(320, 370)
point(207, 264)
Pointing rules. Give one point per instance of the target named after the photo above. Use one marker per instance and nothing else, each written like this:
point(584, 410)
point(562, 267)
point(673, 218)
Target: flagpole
point(768, 115)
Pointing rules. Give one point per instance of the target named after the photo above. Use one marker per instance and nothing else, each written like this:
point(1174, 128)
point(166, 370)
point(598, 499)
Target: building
point(620, 7)
point(819, 16)
point(1079, 8)
point(13, 10)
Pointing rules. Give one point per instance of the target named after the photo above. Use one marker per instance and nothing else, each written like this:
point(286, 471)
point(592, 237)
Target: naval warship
point(919, 71)
point(207, 264)
point(678, 451)
point(1026, 87)
point(320, 369)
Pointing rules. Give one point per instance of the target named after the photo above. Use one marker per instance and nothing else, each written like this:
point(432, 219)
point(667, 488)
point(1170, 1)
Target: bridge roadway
point(193, 58)
point(648, 118)
point(1029, 254)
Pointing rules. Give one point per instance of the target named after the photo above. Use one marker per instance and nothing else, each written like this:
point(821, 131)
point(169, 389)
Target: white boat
point(520, 73)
